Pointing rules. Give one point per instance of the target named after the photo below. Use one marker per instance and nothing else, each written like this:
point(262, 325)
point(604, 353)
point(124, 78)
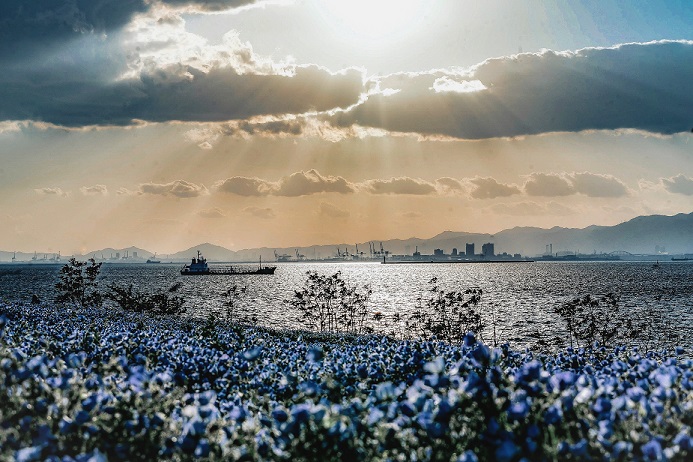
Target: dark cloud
point(218, 95)
point(223, 94)
point(489, 188)
point(401, 185)
point(637, 86)
point(679, 184)
point(210, 5)
point(178, 188)
point(29, 24)
point(67, 62)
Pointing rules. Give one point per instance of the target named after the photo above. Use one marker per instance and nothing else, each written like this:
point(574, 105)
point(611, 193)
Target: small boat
point(199, 266)
point(153, 259)
point(656, 265)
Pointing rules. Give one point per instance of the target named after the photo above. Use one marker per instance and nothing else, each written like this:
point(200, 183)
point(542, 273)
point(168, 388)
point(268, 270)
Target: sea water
point(520, 296)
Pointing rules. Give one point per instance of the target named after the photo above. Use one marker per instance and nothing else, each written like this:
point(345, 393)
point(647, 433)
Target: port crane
point(282, 257)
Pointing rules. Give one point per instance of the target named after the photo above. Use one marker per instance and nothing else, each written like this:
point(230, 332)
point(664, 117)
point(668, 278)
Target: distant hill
point(641, 235)
point(128, 253)
point(210, 251)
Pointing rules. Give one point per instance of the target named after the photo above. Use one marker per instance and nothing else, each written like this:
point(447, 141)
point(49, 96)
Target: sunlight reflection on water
point(523, 294)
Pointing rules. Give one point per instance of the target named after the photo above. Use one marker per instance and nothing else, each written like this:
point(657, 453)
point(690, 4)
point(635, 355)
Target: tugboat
point(199, 266)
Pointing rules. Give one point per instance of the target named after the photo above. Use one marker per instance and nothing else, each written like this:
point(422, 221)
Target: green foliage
point(233, 296)
point(78, 285)
point(329, 304)
point(448, 316)
point(161, 303)
point(597, 319)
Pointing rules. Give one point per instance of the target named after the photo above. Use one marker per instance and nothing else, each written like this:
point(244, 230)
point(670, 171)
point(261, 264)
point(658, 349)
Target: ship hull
point(229, 271)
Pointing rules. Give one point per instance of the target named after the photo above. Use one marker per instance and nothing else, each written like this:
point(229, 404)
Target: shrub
point(78, 284)
point(597, 319)
point(328, 303)
point(161, 303)
point(447, 315)
point(233, 296)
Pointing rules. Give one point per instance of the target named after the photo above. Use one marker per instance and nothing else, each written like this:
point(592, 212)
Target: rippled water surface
point(522, 294)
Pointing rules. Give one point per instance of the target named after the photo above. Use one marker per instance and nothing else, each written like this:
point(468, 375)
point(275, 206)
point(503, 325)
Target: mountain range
point(653, 234)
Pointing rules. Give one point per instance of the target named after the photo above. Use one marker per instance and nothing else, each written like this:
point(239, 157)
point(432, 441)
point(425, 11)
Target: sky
point(164, 124)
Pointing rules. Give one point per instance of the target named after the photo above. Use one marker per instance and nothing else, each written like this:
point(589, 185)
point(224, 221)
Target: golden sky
point(289, 123)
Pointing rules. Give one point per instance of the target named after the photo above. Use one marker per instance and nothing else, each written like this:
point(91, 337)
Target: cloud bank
point(537, 184)
point(96, 190)
point(75, 63)
point(566, 184)
point(296, 184)
point(679, 184)
point(52, 192)
point(637, 86)
point(178, 188)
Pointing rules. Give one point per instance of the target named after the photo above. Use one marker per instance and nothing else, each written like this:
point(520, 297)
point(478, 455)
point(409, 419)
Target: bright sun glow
point(373, 20)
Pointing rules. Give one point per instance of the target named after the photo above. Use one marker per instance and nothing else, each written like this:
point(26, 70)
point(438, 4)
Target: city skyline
point(285, 123)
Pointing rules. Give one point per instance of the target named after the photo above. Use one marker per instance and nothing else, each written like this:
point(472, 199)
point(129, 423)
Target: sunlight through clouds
point(345, 117)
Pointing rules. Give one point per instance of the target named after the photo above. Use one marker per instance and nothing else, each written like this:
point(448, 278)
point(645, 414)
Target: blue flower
point(602, 405)
point(280, 415)
point(253, 353)
point(506, 451)
point(621, 448)
point(468, 456)
point(202, 449)
point(315, 354)
point(579, 449)
point(28, 454)
point(518, 410)
point(469, 340)
point(652, 450)
point(82, 417)
point(385, 391)
point(374, 416)
point(683, 441)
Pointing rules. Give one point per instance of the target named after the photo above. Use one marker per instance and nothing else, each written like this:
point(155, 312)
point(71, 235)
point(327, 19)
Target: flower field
point(103, 384)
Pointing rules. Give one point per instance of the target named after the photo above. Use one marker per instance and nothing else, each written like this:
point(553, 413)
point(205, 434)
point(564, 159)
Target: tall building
point(454, 251)
point(469, 250)
point(488, 250)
